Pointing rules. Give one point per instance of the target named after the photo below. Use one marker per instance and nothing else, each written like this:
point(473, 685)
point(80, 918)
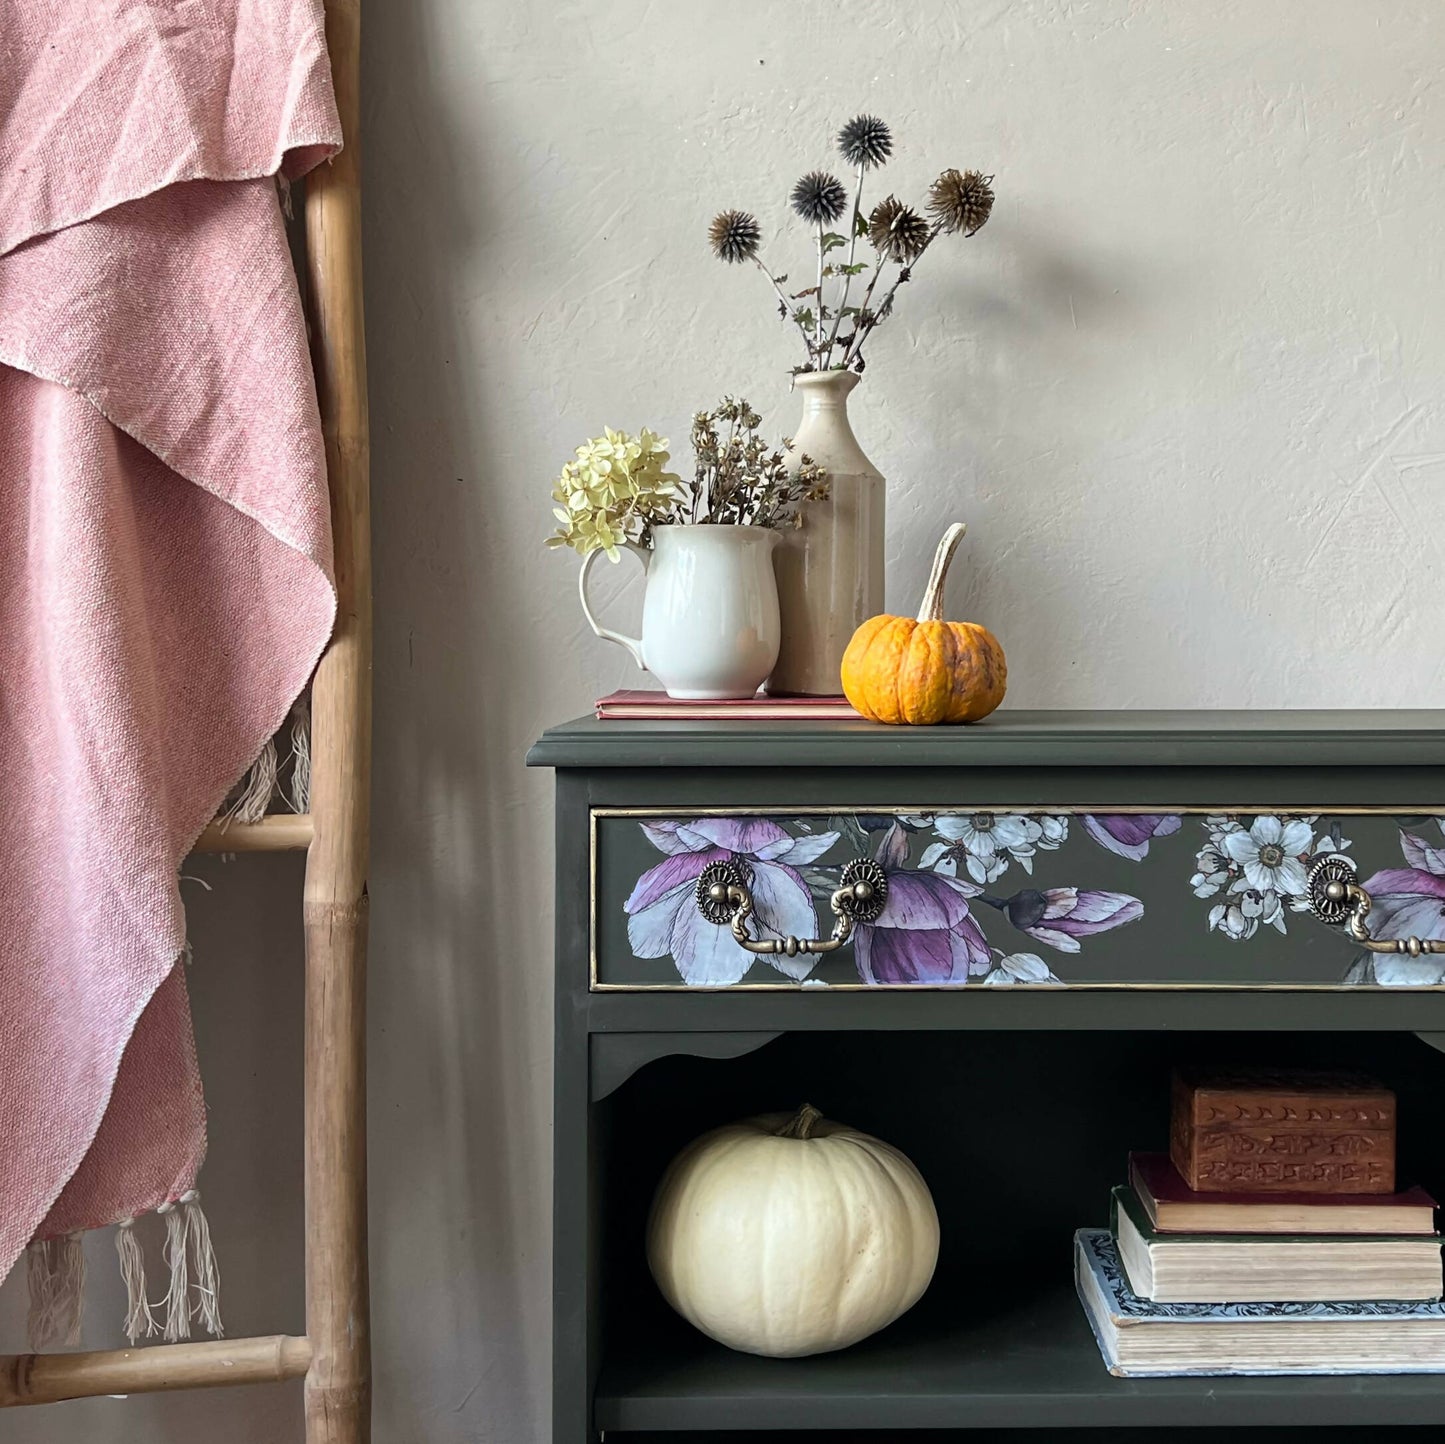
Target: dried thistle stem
point(865, 329)
point(788, 311)
point(856, 340)
point(818, 319)
point(852, 253)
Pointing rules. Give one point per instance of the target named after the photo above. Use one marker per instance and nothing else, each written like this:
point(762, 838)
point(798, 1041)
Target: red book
point(638, 706)
point(1173, 1207)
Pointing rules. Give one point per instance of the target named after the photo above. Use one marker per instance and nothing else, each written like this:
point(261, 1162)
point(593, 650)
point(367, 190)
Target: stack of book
point(1241, 1253)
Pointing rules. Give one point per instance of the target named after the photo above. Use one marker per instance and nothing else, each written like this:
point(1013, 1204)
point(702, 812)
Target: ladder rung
point(48, 1378)
point(280, 832)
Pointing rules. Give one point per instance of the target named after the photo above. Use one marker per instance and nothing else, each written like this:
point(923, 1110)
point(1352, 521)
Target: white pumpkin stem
point(802, 1123)
point(932, 608)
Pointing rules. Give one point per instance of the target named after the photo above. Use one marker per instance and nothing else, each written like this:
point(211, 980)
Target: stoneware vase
point(830, 570)
point(709, 612)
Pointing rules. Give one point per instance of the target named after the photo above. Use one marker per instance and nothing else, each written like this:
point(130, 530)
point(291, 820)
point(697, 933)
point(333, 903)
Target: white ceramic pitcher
point(710, 612)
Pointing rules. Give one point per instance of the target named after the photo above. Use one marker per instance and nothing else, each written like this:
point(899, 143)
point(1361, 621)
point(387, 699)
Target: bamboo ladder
point(334, 1356)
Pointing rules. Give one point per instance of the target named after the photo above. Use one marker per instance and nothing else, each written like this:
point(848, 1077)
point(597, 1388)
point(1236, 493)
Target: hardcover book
point(1140, 1339)
point(644, 706)
point(1245, 1268)
point(1278, 1132)
point(1173, 1207)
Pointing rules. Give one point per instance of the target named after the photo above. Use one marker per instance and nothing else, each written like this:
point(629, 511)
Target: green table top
point(1334, 738)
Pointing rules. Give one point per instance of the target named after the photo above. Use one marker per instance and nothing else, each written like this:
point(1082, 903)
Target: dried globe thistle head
point(819, 198)
point(897, 231)
point(734, 236)
point(865, 141)
point(961, 201)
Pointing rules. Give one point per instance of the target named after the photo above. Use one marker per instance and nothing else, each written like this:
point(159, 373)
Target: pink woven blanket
point(165, 583)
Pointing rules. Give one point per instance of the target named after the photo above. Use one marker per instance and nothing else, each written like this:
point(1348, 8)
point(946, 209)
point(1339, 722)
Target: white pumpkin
point(788, 1236)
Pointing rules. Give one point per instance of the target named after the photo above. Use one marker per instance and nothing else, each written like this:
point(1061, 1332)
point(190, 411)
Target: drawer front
point(1059, 898)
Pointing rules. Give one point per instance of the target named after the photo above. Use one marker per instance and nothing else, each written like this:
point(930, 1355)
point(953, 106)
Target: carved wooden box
point(1260, 1132)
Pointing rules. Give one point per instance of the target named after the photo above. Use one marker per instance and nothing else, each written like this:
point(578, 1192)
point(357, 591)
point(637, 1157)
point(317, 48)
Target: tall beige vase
point(830, 570)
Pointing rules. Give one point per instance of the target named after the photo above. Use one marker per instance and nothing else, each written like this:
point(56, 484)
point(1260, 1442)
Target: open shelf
point(1025, 1362)
point(1020, 1136)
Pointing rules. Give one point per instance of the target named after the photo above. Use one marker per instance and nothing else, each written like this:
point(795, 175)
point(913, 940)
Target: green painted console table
point(1057, 908)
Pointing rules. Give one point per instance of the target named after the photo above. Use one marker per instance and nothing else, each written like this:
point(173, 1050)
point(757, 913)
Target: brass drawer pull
point(1336, 897)
point(723, 897)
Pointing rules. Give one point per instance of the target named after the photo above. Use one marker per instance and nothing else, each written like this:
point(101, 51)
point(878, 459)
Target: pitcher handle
point(633, 644)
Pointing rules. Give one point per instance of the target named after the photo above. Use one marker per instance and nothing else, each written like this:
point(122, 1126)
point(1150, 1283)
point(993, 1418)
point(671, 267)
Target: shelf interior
point(1020, 1137)
point(1026, 1361)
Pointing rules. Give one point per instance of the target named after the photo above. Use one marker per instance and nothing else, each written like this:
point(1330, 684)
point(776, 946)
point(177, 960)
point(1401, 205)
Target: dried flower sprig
point(613, 493)
point(617, 490)
point(741, 480)
point(959, 203)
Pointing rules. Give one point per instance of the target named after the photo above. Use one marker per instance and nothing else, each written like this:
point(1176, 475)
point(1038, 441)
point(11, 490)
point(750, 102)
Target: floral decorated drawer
point(813, 898)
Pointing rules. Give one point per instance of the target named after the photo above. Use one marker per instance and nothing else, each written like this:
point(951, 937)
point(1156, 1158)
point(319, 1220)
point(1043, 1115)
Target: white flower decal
point(985, 842)
point(1272, 853)
point(1247, 908)
point(1213, 871)
point(1020, 968)
point(1259, 872)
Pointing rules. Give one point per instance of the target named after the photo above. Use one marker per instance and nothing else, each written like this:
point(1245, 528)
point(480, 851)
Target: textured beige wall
point(1185, 388)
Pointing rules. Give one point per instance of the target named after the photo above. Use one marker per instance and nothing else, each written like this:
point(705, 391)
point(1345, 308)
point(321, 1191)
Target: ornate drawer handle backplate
point(1336, 897)
point(723, 897)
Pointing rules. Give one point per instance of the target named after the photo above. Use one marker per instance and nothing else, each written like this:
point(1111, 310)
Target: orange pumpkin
point(898, 669)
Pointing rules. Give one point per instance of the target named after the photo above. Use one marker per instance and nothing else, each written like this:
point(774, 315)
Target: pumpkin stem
point(932, 607)
point(801, 1124)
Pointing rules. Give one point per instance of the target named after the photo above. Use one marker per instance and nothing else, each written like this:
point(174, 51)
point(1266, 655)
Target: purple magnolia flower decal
point(1421, 855)
point(662, 916)
point(1129, 834)
point(925, 933)
point(1060, 916)
point(1408, 901)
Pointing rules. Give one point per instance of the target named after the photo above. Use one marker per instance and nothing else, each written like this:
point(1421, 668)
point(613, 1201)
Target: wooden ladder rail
point(338, 1325)
point(334, 1357)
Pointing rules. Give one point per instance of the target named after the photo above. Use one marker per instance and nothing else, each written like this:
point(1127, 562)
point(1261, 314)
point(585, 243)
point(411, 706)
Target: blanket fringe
point(55, 1268)
point(272, 776)
point(188, 1253)
point(298, 792)
point(203, 1264)
point(253, 796)
point(140, 1321)
point(176, 1303)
